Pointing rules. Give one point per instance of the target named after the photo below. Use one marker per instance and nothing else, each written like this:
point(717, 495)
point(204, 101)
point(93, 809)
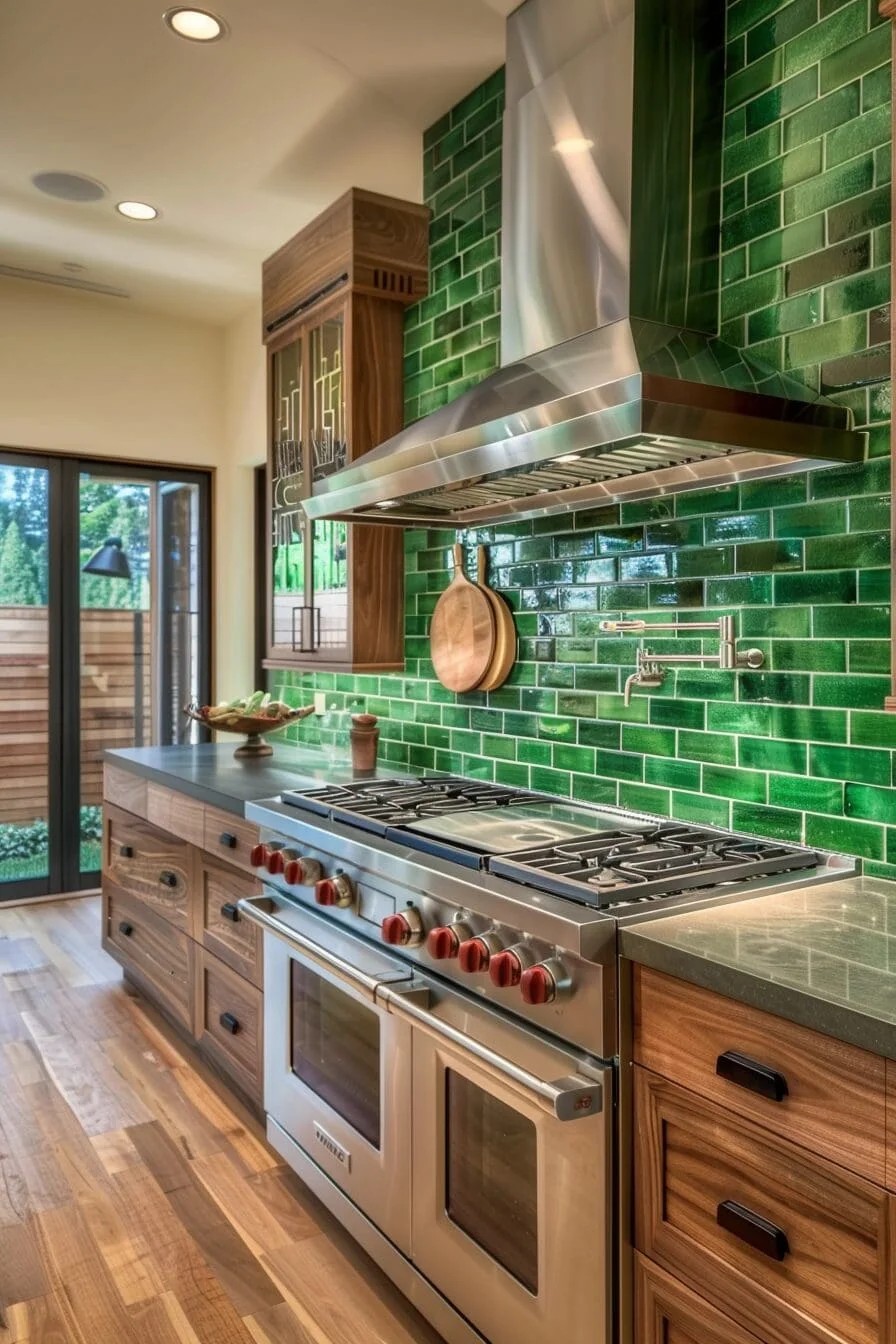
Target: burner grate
point(376, 805)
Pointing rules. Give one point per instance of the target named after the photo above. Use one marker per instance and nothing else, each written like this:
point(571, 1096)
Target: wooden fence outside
point(107, 703)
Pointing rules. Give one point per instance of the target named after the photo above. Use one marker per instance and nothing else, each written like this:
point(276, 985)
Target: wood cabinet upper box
point(373, 244)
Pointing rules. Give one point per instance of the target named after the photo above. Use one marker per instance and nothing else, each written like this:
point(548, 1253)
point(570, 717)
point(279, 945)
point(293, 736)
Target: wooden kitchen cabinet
point(170, 919)
point(333, 303)
point(762, 1155)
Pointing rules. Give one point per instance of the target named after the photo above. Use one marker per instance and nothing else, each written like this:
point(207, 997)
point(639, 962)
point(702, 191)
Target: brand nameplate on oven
point(342, 1155)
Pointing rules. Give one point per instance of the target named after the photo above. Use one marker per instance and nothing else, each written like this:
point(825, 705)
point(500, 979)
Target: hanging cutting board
point(504, 655)
point(462, 632)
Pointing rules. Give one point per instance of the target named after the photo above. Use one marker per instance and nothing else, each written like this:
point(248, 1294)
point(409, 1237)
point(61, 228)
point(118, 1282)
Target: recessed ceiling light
point(69, 186)
point(137, 210)
point(574, 144)
point(196, 25)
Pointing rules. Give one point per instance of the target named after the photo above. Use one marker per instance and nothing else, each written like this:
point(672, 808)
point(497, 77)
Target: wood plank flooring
point(139, 1203)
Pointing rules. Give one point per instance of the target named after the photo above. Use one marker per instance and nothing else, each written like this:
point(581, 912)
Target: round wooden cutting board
point(462, 632)
point(504, 656)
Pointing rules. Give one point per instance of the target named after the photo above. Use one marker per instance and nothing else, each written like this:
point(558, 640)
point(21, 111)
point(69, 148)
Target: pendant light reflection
point(110, 561)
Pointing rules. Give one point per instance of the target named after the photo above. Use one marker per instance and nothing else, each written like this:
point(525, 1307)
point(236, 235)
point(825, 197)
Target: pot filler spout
point(615, 384)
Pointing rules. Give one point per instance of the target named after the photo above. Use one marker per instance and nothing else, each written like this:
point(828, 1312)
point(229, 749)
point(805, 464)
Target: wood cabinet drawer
point(222, 930)
point(821, 1256)
point(147, 946)
point(835, 1099)
point(230, 837)
point(668, 1313)
point(155, 866)
point(124, 789)
point(176, 813)
point(228, 1016)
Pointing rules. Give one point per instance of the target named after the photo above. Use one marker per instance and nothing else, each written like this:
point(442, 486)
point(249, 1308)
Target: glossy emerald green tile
point(822, 114)
point(644, 798)
point(612, 707)
point(746, 590)
point(579, 760)
point(699, 808)
point(821, 39)
point(874, 585)
point(827, 341)
point(781, 100)
point(860, 622)
point(577, 703)
point(747, 785)
point(784, 688)
point(809, 795)
point(674, 713)
point(703, 685)
point(808, 655)
point(763, 70)
point(702, 561)
point(772, 33)
point(650, 741)
point(620, 540)
point(876, 87)
point(727, 527)
point(774, 493)
point(866, 53)
point(869, 513)
point(787, 243)
point(845, 837)
point(853, 764)
point(622, 596)
point(730, 717)
point(597, 678)
point(851, 692)
point(620, 765)
point(760, 753)
point(811, 725)
point(837, 184)
point(713, 747)
point(734, 197)
point(653, 566)
point(751, 151)
point(590, 790)
point(869, 655)
point(748, 295)
point(597, 734)
point(662, 534)
point(856, 216)
point(754, 819)
point(811, 520)
point(498, 747)
point(844, 259)
point(792, 315)
point(831, 586)
point(872, 729)
point(515, 776)
point(858, 293)
point(734, 267)
point(768, 556)
point(550, 781)
point(721, 499)
point(672, 774)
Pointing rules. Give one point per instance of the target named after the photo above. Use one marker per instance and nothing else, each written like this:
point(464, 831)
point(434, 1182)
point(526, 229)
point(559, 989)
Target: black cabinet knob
point(168, 879)
point(126, 851)
point(227, 840)
point(753, 1229)
point(230, 1023)
point(229, 911)
point(745, 1072)
point(125, 929)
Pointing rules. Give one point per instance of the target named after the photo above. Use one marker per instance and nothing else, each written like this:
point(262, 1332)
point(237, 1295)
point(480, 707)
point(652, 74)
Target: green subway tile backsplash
point(799, 750)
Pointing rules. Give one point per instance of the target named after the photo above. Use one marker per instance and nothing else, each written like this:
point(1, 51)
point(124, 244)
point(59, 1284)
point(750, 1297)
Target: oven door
point(337, 1065)
point(512, 1182)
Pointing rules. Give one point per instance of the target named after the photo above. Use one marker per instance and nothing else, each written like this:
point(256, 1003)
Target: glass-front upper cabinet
point(333, 301)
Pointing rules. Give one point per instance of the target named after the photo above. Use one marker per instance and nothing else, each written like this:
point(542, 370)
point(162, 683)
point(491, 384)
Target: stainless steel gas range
point(441, 1026)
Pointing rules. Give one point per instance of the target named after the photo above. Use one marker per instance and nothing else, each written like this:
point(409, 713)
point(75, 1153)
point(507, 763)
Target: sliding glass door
point(104, 636)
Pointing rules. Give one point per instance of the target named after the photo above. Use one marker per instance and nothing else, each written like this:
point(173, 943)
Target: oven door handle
point(571, 1098)
point(252, 908)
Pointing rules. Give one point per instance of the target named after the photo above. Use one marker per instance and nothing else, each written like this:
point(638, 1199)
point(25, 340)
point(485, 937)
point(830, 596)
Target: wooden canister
point(364, 738)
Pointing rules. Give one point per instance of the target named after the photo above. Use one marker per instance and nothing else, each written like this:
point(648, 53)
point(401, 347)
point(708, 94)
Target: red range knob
point(338, 890)
point(274, 863)
point(259, 855)
point(537, 985)
point(396, 929)
point(442, 943)
point(505, 969)
point(473, 955)
point(301, 872)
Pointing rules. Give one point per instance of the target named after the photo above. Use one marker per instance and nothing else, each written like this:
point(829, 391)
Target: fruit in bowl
point(252, 715)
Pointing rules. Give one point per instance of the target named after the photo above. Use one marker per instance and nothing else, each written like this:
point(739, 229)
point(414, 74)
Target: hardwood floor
point(139, 1203)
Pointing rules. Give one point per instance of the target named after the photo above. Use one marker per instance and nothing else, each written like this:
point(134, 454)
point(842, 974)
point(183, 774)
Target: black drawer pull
point(230, 1023)
point(126, 851)
point(750, 1227)
point(168, 879)
point(229, 911)
point(227, 840)
point(745, 1072)
point(125, 929)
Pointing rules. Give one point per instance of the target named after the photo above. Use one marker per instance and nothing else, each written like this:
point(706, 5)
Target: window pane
point(290, 619)
point(336, 1050)
point(491, 1176)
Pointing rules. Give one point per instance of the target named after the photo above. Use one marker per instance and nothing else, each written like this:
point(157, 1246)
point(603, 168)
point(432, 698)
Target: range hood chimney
point(615, 384)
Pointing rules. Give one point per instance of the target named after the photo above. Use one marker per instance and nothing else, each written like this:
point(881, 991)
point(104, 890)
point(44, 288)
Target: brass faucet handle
point(620, 627)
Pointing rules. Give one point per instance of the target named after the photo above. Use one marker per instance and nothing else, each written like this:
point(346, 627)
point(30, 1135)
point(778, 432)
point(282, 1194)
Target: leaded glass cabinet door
point(328, 452)
point(291, 620)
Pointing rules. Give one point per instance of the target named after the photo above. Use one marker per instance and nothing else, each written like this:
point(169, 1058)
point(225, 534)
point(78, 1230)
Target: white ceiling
point(238, 142)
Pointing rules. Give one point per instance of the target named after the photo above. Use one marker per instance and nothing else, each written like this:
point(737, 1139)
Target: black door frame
point(63, 651)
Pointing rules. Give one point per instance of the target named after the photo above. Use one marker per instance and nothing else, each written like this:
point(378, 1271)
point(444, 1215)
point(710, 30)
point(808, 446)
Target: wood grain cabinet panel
point(221, 928)
point(228, 1016)
point(154, 953)
point(668, 1313)
point(150, 864)
point(891, 1127)
point(835, 1100)
point(125, 789)
point(792, 1247)
point(176, 813)
point(229, 836)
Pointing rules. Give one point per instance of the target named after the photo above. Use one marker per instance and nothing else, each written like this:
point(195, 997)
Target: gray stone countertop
point(823, 956)
point(211, 773)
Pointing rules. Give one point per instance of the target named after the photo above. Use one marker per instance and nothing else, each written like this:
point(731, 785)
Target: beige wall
point(80, 373)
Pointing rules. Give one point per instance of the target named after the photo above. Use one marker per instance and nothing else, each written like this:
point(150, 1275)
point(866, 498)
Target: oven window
point(336, 1050)
point(491, 1176)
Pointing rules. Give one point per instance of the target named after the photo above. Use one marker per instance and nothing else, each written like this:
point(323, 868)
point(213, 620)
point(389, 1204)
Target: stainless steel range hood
point(615, 385)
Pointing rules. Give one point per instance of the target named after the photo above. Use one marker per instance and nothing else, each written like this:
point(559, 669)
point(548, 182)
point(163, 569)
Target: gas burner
point(378, 805)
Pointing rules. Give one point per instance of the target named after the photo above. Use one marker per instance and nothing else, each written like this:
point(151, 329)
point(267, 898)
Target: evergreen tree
point(19, 586)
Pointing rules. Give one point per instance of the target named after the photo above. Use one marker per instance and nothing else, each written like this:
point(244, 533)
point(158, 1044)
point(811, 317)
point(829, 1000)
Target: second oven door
point(511, 1206)
point(338, 1070)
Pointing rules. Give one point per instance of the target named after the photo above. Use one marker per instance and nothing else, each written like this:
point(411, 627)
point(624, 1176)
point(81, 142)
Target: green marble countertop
point(211, 773)
point(823, 956)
